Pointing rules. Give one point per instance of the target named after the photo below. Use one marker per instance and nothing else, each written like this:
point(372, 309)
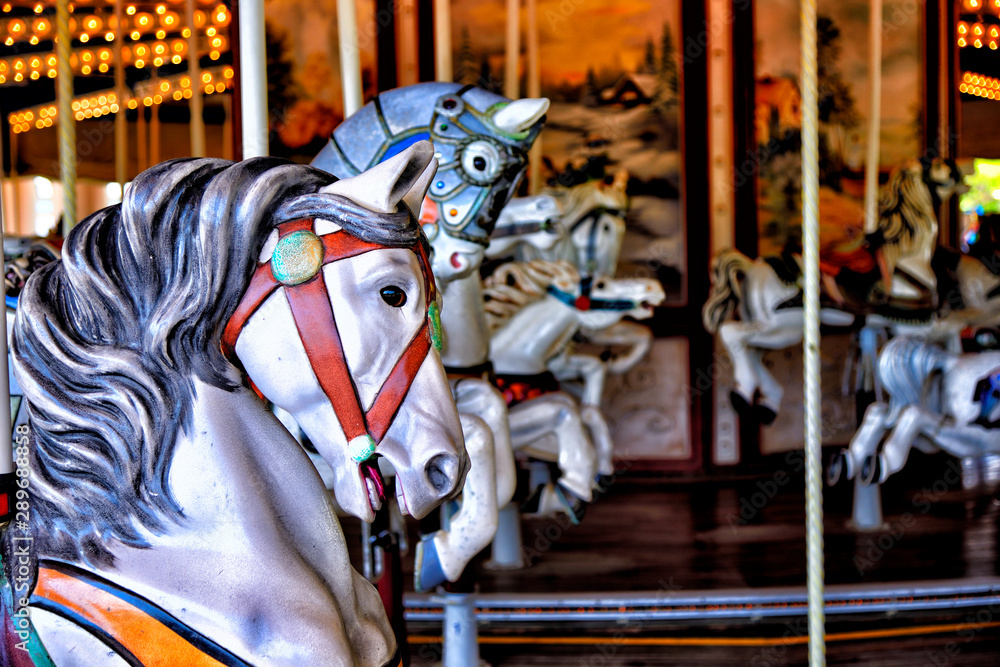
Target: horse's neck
point(466, 332)
point(535, 334)
point(258, 562)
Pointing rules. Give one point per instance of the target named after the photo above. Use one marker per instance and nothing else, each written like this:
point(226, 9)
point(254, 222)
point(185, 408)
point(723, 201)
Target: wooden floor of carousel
point(712, 571)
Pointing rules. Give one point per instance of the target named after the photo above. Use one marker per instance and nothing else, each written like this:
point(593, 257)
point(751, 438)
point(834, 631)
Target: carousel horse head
point(481, 141)
point(595, 221)
point(212, 274)
point(533, 220)
point(908, 206)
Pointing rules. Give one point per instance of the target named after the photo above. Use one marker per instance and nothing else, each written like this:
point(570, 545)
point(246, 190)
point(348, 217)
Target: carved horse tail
point(904, 366)
point(728, 270)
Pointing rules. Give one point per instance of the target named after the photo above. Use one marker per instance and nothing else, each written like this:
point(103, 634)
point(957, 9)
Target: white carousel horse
point(481, 140)
point(535, 309)
point(938, 401)
point(174, 520)
point(766, 293)
point(584, 225)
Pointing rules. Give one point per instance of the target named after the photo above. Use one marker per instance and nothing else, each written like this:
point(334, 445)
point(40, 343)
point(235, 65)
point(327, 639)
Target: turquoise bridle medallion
point(297, 258)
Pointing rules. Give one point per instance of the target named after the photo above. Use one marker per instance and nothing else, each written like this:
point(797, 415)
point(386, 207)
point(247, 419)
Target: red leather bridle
point(305, 288)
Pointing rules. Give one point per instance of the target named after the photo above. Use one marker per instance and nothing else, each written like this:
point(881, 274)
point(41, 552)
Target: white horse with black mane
point(534, 310)
point(173, 520)
point(898, 290)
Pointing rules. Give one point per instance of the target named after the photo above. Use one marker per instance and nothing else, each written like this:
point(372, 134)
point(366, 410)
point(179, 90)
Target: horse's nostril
point(441, 471)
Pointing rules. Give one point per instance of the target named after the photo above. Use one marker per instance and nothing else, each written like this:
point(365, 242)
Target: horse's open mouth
point(373, 482)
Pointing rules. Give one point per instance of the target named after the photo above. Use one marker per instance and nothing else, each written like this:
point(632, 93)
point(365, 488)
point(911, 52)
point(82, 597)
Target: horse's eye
point(600, 285)
point(394, 296)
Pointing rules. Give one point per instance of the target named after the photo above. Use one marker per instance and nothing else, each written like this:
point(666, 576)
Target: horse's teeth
point(373, 497)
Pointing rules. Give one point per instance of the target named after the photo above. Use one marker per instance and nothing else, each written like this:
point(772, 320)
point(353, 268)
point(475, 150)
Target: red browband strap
point(317, 327)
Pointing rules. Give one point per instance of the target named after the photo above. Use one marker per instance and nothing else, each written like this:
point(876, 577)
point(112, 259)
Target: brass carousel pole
point(67, 121)
point(121, 120)
point(194, 72)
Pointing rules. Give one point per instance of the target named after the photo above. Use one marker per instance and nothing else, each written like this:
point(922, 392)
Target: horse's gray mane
point(904, 365)
point(107, 341)
point(516, 284)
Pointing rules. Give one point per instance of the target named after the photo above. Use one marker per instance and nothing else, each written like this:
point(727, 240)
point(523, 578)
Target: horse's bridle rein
point(296, 264)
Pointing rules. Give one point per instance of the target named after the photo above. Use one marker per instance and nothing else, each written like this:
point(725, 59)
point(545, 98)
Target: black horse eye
point(479, 162)
point(394, 296)
point(600, 285)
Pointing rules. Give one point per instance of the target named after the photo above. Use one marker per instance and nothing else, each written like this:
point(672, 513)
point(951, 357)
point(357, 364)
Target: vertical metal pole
point(511, 87)
point(874, 114)
point(66, 119)
point(350, 56)
point(154, 134)
point(227, 127)
point(253, 78)
point(810, 251)
point(121, 120)
point(141, 138)
point(534, 90)
point(194, 71)
point(6, 446)
point(443, 69)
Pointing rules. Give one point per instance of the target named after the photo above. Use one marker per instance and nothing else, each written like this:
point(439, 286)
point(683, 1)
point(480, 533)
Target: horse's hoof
point(871, 470)
point(427, 571)
point(764, 414)
point(741, 405)
point(835, 468)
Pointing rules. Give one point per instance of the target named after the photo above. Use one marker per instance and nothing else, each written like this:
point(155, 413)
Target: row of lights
point(978, 35)
point(101, 60)
point(96, 26)
point(38, 7)
point(100, 104)
point(980, 86)
point(979, 5)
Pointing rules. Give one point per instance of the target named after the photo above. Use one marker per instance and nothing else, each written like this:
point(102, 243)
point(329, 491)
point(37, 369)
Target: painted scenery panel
point(611, 70)
point(842, 28)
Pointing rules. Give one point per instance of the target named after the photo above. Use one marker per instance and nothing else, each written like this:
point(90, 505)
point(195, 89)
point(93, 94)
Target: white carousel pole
point(512, 51)
point(197, 105)
point(66, 119)
point(350, 56)
point(874, 114)
point(443, 69)
point(253, 79)
point(534, 90)
point(867, 514)
point(810, 251)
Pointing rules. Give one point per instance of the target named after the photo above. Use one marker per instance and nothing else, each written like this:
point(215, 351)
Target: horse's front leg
point(865, 442)
point(444, 554)
point(480, 398)
point(913, 421)
point(557, 415)
point(636, 337)
point(734, 336)
point(594, 372)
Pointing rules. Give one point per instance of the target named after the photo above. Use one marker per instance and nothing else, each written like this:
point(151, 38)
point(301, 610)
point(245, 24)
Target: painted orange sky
point(574, 35)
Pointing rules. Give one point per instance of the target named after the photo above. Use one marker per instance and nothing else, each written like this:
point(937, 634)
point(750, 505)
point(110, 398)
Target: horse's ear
point(403, 178)
point(520, 115)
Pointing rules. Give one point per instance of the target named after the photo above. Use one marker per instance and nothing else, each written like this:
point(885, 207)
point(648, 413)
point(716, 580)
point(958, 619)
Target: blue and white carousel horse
point(172, 519)
point(584, 225)
point(535, 310)
point(766, 293)
point(481, 141)
point(938, 401)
